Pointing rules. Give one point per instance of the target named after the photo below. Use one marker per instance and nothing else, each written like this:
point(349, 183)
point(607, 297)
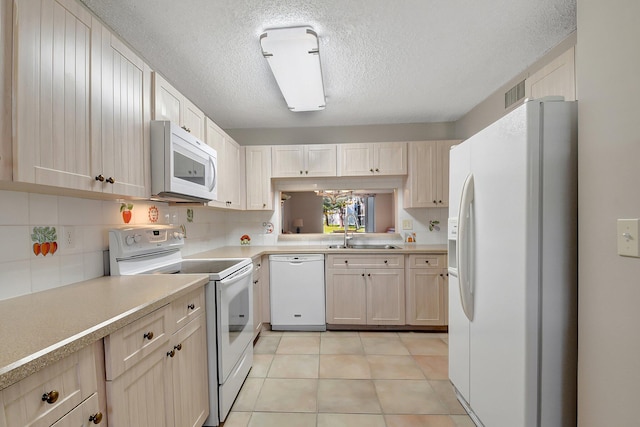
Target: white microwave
point(183, 168)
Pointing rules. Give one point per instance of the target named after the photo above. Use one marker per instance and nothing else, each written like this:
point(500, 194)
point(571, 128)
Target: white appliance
point(297, 293)
point(183, 168)
point(156, 249)
point(513, 268)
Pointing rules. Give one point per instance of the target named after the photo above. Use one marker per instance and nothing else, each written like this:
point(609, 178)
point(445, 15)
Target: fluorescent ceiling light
point(294, 58)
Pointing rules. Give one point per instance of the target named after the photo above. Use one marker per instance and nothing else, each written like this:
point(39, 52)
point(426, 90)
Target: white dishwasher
point(297, 292)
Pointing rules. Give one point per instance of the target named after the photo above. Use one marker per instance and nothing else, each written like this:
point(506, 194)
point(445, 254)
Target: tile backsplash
point(79, 255)
point(82, 227)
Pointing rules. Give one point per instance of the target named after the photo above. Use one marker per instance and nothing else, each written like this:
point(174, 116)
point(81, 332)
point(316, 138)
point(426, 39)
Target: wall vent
point(514, 94)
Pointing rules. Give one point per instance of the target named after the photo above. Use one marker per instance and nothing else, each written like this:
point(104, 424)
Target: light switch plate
point(407, 224)
point(628, 239)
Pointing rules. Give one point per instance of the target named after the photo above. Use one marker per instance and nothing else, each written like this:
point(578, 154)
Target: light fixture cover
point(294, 58)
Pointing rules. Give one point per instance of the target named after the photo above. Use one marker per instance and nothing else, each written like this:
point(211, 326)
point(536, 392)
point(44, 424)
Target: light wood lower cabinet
point(427, 290)
point(157, 368)
point(365, 290)
point(257, 296)
point(62, 394)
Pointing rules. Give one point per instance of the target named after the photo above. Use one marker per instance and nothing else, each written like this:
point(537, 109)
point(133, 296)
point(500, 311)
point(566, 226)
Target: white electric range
point(156, 249)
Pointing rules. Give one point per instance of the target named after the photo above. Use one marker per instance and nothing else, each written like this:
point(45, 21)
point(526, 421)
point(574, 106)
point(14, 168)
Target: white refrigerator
point(513, 268)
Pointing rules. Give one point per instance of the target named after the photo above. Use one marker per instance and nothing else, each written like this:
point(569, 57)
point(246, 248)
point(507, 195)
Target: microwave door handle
point(214, 176)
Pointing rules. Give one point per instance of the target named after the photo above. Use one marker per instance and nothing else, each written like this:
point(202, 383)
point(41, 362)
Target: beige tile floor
point(348, 379)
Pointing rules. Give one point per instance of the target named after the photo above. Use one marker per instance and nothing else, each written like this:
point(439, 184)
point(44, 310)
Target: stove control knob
point(129, 240)
point(137, 238)
point(177, 235)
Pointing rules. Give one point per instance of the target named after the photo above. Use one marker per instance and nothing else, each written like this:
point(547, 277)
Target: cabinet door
point(215, 138)
point(258, 178)
point(320, 160)
point(167, 100)
point(385, 297)
point(346, 297)
point(189, 371)
point(558, 78)
point(355, 159)
point(141, 396)
point(264, 279)
point(421, 187)
point(121, 111)
point(193, 119)
point(390, 158)
point(442, 158)
point(233, 174)
point(426, 297)
point(257, 297)
point(52, 88)
point(287, 161)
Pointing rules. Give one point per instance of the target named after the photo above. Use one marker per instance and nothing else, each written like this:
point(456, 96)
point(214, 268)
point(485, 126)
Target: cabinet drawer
point(127, 346)
point(428, 261)
point(365, 261)
point(72, 379)
point(86, 414)
point(186, 308)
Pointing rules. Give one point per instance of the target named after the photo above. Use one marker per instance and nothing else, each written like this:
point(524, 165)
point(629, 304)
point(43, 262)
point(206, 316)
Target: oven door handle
point(237, 276)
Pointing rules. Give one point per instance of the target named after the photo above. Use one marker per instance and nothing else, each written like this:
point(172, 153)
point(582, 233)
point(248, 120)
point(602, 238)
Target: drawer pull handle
point(191, 306)
point(149, 335)
point(96, 418)
point(171, 353)
point(50, 397)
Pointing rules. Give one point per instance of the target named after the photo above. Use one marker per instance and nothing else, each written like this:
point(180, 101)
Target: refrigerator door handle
point(465, 247)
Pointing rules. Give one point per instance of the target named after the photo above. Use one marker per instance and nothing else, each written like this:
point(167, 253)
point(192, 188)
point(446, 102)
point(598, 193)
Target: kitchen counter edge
point(41, 328)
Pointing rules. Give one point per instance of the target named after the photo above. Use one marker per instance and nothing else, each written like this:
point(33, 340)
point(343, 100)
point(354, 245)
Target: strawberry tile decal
point(45, 240)
point(153, 214)
point(125, 209)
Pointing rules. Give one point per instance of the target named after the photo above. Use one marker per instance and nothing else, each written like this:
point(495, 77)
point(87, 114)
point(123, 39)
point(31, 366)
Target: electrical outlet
point(407, 224)
point(69, 236)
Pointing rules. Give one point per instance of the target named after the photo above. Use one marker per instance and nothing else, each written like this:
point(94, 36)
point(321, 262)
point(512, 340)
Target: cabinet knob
point(377, 170)
point(96, 418)
point(386, 262)
point(369, 274)
point(149, 335)
point(427, 261)
point(110, 180)
point(346, 261)
point(171, 353)
point(439, 201)
point(100, 178)
point(186, 128)
point(255, 282)
point(264, 205)
point(370, 170)
point(191, 306)
point(178, 347)
point(362, 274)
point(300, 172)
point(306, 172)
point(50, 397)
point(434, 202)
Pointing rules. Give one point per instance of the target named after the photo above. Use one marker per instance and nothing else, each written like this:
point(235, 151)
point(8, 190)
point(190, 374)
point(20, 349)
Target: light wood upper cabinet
point(52, 93)
point(558, 78)
point(258, 174)
point(314, 160)
point(372, 159)
point(231, 191)
point(6, 161)
point(170, 104)
point(82, 102)
point(427, 183)
point(121, 102)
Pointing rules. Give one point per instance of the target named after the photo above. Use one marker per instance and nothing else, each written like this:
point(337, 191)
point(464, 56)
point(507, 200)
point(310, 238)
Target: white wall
point(608, 77)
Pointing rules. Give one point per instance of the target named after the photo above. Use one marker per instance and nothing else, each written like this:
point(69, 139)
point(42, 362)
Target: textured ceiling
point(383, 61)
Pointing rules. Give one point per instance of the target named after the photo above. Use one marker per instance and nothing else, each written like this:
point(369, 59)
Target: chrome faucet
point(346, 227)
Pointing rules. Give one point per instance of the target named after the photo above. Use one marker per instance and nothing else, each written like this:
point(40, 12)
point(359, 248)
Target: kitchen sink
point(379, 246)
point(364, 246)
